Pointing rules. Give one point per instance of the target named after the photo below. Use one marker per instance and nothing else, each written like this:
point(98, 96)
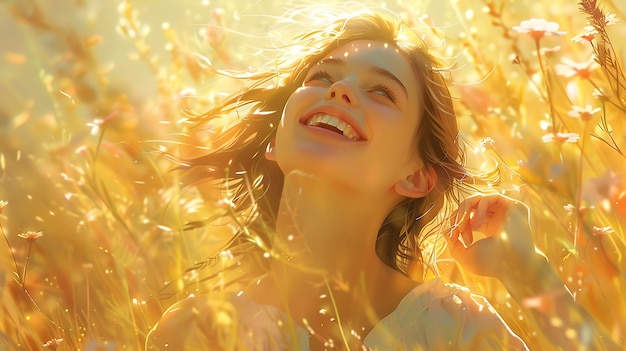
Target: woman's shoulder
point(181, 324)
point(225, 322)
point(442, 316)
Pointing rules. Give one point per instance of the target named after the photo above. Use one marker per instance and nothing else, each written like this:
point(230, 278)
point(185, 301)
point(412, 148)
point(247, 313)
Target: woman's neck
point(327, 265)
point(327, 226)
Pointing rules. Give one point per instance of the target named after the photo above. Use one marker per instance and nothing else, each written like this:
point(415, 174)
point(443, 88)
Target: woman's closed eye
point(320, 75)
point(383, 90)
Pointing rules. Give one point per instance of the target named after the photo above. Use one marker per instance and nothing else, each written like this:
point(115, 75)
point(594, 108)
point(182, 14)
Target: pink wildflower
point(610, 19)
point(560, 138)
point(53, 344)
point(587, 36)
point(570, 68)
point(597, 231)
point(571, 209)
point(487, 143)
point(537, 28)
point(30, 236)
point(598, 93)
point(584, 113)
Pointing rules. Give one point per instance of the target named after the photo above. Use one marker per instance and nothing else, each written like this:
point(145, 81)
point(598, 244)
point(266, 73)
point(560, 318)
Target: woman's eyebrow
point(377, 70)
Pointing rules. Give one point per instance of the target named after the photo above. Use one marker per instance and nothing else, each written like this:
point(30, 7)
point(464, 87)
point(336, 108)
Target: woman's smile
point(333, 124)
point(336, 120)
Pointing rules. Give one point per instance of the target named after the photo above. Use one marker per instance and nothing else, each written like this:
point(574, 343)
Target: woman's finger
point(461, 232)
point(480, 212)
point(467, 235)
point(474, 213)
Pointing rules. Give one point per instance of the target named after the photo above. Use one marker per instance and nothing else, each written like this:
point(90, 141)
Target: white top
point(442, 316)
point(433, 316)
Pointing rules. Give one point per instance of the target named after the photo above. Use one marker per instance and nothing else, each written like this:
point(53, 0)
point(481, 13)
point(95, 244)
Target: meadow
point(99, 234)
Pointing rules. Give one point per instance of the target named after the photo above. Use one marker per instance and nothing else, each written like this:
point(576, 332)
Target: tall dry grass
point(93, 94)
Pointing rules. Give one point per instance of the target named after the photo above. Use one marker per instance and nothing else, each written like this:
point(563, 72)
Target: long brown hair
point(237, 157)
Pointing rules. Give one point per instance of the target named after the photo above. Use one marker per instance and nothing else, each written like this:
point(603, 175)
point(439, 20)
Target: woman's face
point(354, 119)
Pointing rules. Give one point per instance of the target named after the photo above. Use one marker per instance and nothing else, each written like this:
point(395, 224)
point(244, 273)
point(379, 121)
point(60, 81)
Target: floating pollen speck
point(164, 228)
point(15, 58)
point(93, 40)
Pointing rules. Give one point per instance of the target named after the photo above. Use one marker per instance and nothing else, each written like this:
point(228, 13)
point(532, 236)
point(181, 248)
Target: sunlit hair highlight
point(237, 154)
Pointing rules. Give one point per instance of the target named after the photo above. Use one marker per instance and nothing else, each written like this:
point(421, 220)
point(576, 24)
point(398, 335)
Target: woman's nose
point(342, 90)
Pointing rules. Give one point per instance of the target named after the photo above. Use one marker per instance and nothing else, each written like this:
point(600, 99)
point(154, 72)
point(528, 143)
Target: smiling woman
point(347, 161)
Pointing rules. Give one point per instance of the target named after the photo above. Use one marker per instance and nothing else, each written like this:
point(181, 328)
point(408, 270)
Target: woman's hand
point(506, 251)
point(490, 236)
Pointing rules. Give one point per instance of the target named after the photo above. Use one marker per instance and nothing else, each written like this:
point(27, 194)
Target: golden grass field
point(93, 94)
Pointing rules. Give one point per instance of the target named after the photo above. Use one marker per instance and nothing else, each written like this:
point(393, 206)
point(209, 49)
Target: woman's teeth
point(321, 119)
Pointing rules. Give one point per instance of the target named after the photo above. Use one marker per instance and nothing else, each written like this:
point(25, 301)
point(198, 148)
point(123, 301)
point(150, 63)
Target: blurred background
point(93, 94)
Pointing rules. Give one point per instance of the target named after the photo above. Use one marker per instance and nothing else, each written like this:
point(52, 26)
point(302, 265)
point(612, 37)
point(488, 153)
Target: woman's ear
point(418, 184)
point(270, 154)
